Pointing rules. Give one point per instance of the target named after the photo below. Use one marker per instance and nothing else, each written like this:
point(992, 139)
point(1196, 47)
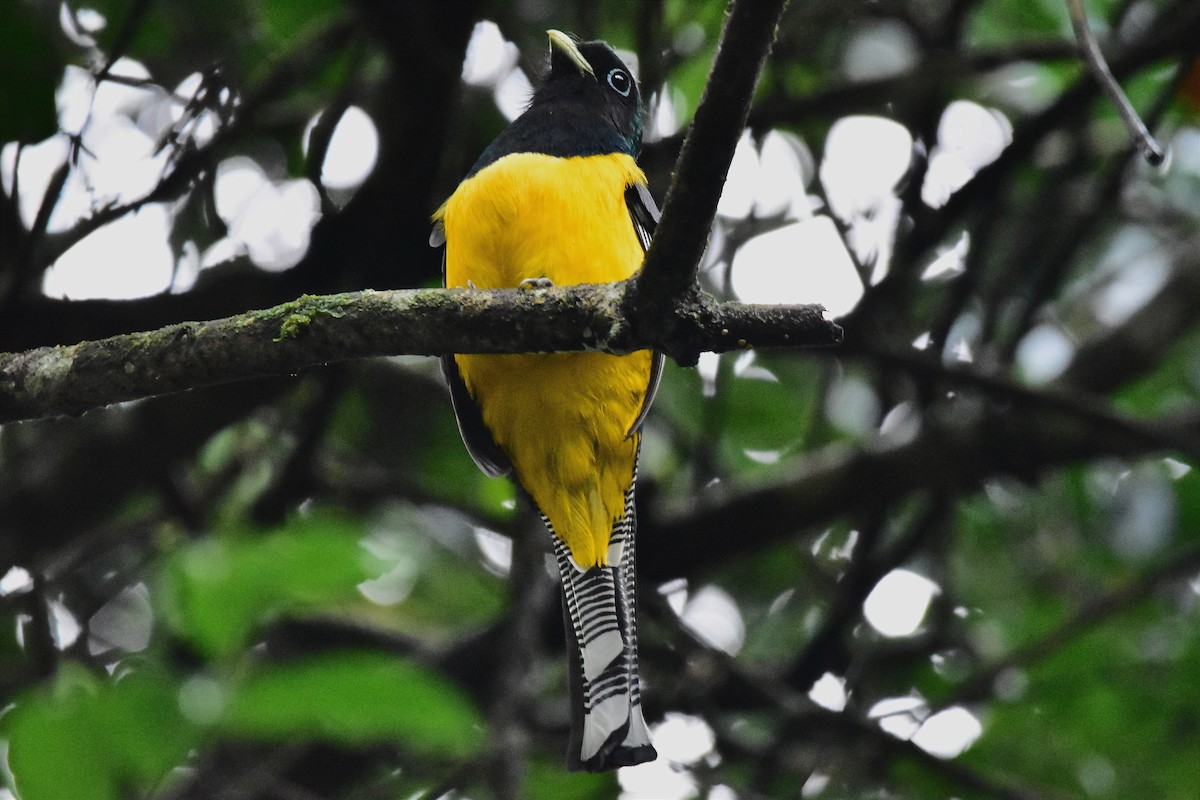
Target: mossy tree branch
point(315, 330)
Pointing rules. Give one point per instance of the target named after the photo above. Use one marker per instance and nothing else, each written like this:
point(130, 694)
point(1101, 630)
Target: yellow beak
point(566, 45)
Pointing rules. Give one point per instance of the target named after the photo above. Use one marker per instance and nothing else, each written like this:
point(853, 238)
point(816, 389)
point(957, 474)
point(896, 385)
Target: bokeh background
point(956, 557)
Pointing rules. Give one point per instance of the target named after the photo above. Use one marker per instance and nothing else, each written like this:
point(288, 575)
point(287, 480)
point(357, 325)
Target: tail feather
point(607, 727)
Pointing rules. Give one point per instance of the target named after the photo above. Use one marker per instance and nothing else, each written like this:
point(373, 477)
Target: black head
point(589, 80)
point(588, 104)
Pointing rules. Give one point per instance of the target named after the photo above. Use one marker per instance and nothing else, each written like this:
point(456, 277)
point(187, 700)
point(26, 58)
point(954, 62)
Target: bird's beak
point(566, 45)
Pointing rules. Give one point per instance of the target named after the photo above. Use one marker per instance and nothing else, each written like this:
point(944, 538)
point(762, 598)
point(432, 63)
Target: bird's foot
point(535, 283)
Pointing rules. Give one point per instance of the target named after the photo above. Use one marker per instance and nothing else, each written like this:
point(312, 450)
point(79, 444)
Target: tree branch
point(958, 447)
point(1049, 400)
point(315, 330)
point(703, 163)
point(1121, 355)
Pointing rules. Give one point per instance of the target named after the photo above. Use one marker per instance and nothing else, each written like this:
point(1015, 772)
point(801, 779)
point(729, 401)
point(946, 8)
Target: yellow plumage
point(563, 419)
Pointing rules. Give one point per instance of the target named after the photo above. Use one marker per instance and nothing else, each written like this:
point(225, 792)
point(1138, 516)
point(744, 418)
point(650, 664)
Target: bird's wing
point(643, 212)
point(486, 454)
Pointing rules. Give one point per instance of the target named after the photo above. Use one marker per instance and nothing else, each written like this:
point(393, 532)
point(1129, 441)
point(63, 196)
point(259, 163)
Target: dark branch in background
point(1174, 30)
point(1150, 149)
point(1050, 399)
point(957, 449)
point(532, 595)
point(295, 477)
point(125, 36)
point(378, 239)
point(1137, 347)
point(650, 40)
point(1043, 266)
point(804, 724)
point(37, 231)
point(322, 132)
point(312, 331)
point(981, 684)
point(1031, 275)
point(193, 162)
point(1002, 427)
point(828, 650)
point(671, 264)
point(867, 95)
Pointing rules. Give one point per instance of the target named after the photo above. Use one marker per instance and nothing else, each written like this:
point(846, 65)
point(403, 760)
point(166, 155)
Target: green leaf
point(429, 590)
point(288, 21)
point(1001, 22)
point(447, 471)
point(546, 780)
point(29, 72)
point(351, 422)
point(221, 590)
point(1187, 498)
point(1173, 385)
point(356, 698)
point(87, 738)
point(771, 415)
point(1096, 705)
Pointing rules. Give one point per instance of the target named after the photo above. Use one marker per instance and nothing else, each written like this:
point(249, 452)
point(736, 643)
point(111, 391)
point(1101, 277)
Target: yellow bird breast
point(561, 418)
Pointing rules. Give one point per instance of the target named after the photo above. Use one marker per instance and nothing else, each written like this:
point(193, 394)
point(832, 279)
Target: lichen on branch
point(315, 330)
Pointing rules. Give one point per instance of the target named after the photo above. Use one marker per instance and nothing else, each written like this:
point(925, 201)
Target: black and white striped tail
point(607, 728)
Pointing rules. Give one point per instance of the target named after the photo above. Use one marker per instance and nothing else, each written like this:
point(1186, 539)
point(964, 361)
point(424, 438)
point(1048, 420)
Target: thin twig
point(125, 35)
point(1146, 144)
point(41, 222)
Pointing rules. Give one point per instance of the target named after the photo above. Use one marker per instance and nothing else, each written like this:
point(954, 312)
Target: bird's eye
point(620, 81)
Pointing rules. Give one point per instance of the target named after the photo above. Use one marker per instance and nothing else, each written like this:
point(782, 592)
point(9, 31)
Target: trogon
point(558, 199)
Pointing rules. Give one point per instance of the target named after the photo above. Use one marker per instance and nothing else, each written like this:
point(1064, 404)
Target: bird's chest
point(536, 216)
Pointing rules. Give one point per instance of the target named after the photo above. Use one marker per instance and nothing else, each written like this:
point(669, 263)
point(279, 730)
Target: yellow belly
point(561, 418)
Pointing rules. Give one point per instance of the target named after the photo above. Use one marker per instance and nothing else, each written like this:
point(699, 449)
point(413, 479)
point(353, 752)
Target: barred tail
point(607, 728)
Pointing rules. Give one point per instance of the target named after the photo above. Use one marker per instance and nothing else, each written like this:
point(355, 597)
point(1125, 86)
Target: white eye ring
point(619, 76)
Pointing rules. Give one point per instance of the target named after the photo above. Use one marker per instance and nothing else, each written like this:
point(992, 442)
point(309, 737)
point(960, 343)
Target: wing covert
point(644, 214)
point(484, 451)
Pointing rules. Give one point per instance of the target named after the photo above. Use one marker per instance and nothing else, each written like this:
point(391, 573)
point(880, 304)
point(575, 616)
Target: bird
point(558, 199)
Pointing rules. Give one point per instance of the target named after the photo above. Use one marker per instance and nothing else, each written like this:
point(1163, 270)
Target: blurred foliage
point(355, 698)
point(302, 587)
point(217, 591)
point(118, 734)
point(28, 102)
